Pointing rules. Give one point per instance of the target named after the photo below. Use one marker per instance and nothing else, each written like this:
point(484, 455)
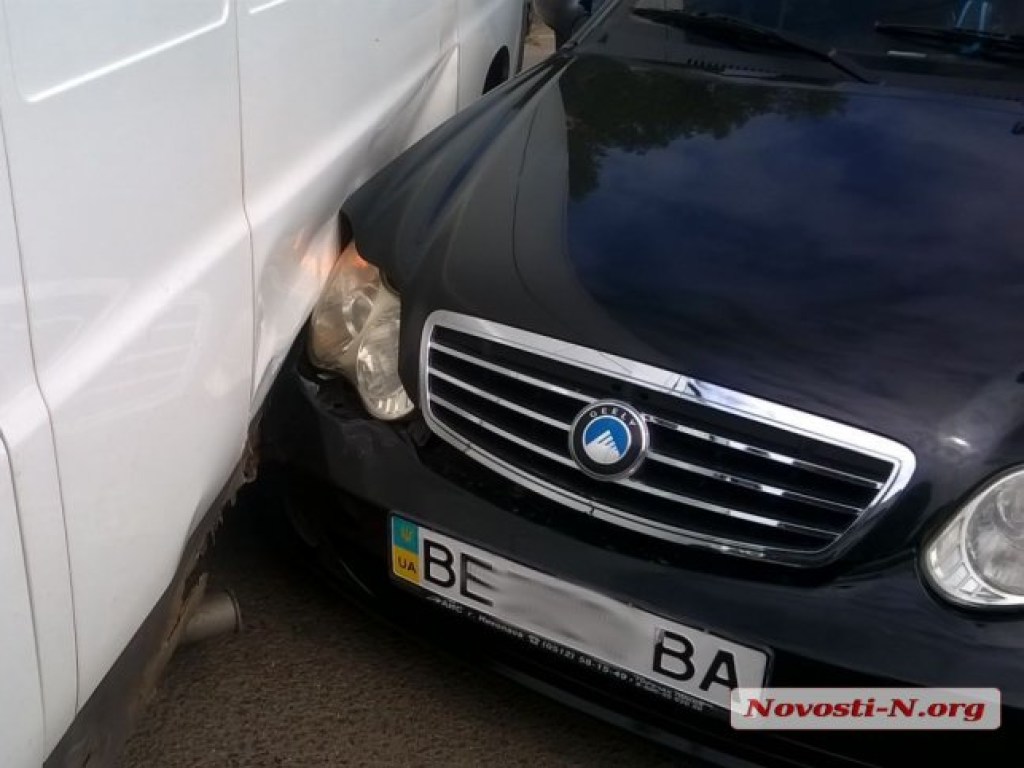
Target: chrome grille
point(724, 469)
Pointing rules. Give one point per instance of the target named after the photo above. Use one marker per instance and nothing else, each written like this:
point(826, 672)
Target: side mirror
point(563, 16)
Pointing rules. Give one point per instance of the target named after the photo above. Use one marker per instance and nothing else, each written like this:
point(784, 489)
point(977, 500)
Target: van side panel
point(125, 165)
point(331, 90)
point(38, 533)
point(21, 727)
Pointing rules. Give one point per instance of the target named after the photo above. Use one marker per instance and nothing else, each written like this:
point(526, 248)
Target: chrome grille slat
point(521, 442)
point(503, 402)
point(513, 374)
point(719, 510)
point(503, 396)
point(764, 454)
point(753, 485)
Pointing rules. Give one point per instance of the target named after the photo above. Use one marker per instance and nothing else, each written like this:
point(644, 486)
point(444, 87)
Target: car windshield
point(984, 37)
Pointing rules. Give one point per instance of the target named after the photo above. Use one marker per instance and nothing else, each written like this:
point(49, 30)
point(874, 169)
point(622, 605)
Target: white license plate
point(578, 624)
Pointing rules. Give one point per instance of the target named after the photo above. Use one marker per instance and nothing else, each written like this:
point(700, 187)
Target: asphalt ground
point(313, 680)
point(539, 44)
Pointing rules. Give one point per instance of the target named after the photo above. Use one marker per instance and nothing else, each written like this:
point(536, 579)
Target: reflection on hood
point(631, 107)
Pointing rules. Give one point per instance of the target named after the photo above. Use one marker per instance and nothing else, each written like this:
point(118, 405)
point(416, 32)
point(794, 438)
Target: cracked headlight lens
point(355, 331)
point(377, 364)
point(344, 309)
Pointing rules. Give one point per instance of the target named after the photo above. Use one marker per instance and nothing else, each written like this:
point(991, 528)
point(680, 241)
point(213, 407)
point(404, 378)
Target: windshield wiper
point(971, 42)
point(734, 29)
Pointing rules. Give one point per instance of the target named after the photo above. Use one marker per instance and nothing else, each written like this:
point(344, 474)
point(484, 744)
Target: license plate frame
point(688, 665)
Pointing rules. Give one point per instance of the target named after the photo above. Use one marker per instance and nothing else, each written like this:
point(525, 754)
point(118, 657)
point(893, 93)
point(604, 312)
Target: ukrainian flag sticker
point(405, 550)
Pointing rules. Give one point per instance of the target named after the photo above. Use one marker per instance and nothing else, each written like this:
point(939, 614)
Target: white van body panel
point(21, 727)
point(125, 164)
point(376, 77)
point(33, 550)
point(170, 177)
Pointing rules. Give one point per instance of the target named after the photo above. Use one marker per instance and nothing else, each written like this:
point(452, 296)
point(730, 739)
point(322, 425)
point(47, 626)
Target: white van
point(170, 177)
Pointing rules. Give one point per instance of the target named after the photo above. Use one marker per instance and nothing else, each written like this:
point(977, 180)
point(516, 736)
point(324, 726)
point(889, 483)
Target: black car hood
point(852, 251)
point(859, 254)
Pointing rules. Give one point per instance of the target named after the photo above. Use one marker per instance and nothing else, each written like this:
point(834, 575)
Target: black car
point(692, 359)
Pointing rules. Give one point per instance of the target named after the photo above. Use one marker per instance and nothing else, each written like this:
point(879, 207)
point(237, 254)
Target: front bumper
point(876, 627)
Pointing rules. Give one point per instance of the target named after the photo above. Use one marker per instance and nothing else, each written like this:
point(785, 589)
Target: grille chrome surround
point(797, 494)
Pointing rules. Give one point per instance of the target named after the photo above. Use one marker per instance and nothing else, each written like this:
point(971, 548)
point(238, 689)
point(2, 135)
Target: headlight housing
point(977, 559)
point(355, 331)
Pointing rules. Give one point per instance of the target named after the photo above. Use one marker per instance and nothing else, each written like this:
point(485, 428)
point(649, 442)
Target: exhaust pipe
point(217, 614)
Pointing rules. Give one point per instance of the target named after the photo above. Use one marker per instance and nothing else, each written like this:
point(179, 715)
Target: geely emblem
point(608, 440)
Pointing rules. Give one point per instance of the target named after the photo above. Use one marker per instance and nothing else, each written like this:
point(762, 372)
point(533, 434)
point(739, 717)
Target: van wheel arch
point(499, 71)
